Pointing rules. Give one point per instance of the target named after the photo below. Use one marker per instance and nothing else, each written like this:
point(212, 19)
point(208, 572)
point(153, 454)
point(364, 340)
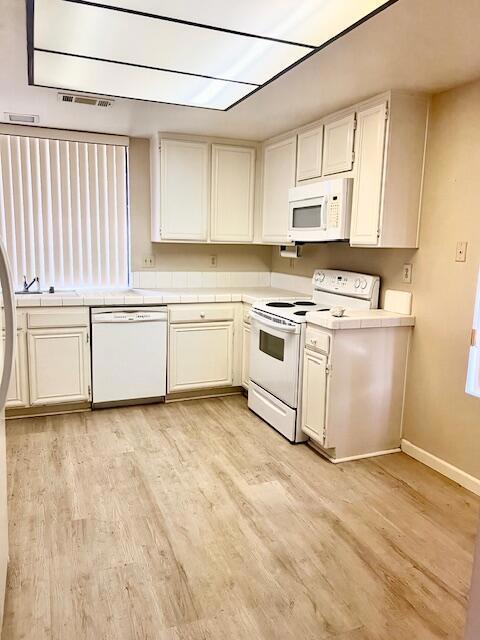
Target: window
point(473, 376)
point(63, 211)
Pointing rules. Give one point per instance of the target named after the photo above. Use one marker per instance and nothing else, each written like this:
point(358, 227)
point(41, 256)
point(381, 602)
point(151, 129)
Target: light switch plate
point(407, 273)
point(461, 253)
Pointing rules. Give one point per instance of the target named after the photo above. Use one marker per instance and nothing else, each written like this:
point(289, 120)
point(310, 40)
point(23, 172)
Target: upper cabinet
point(279, 172)
point(201, 192)
point(339, 134)
point(207, 191)
point(309, 154)
point(184, 190)
point(367, 186)
point(388, 173)
point(232, 199)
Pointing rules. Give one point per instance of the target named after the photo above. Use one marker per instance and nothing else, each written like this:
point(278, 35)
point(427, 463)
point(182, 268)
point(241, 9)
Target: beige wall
point(439, 416)
point(384, 262)
point(181, 257)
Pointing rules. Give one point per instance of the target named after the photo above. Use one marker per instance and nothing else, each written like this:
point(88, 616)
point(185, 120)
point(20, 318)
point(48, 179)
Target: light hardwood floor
point(196, 521)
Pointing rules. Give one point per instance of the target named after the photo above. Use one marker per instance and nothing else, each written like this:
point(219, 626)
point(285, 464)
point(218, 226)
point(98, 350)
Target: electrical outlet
point(148, 262)
point(213, 262)
point(407, 273)
point(461, 253)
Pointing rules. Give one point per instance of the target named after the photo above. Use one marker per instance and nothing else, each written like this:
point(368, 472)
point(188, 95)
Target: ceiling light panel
point(310, 22)
point(80, 74)
point(139, 40)
point(209, 54)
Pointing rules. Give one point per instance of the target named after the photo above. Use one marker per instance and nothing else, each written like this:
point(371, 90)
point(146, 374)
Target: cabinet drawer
point(317, 340)
point(58, 318)
point(201, 313)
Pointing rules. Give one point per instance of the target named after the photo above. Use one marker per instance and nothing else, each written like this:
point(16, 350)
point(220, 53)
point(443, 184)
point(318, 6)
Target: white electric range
point(278, 338)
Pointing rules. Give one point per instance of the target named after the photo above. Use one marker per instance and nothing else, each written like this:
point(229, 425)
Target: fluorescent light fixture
point(21, 118)
point(210, 55)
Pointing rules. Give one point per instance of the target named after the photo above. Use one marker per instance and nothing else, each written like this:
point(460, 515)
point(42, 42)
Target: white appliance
point(129, 355)
point(7, 345)
point(321, 211)
point(277, 342)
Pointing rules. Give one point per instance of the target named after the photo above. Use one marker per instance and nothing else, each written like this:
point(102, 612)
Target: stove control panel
point(358, 285)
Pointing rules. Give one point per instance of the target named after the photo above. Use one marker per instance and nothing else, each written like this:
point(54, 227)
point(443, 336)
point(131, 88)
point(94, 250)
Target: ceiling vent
point(92, 101)
point(21, 118)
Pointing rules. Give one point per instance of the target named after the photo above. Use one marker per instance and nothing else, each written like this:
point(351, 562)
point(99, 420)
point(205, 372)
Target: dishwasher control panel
point(148, 314)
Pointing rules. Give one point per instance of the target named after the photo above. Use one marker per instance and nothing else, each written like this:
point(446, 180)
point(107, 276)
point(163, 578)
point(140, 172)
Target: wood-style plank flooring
point(196, 521)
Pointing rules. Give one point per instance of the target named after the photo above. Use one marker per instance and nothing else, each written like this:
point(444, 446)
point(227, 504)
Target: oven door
point(275, 356)
point(308, 219)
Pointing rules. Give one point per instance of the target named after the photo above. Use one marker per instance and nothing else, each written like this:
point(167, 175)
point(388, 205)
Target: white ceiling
point(427, 45)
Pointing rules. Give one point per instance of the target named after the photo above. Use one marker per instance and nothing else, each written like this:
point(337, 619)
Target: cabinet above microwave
point(320, 212)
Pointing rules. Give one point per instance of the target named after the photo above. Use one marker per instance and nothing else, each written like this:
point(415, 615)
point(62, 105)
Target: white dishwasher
point(129, 355)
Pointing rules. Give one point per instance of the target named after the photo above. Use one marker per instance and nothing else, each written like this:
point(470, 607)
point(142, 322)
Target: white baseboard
point(445, 468)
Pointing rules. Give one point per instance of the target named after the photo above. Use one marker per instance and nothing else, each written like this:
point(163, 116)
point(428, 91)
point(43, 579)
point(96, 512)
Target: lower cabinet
point(314, 396)
point(52, 358)
point(245, 355)
point(57, 363)
point(18, 395)
point(200, 356)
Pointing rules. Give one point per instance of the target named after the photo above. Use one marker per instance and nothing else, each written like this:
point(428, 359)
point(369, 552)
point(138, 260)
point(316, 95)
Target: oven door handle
point(274, 325)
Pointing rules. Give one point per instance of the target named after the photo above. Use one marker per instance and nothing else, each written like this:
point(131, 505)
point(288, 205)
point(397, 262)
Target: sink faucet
point(26, 287)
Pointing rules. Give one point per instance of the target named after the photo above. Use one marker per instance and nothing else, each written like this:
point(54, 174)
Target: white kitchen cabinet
point(388, 173)
point(279, 173)
point(184, 190)
point(59, 370)
point(232, 198)
point(245, 355)
point(367, 186)
point(200, 355)
point(338, 144)
point(309, 154)
point(314, 396)
point(17, 395)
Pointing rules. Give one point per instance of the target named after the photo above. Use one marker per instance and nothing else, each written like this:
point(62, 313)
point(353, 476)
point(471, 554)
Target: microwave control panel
point(333, 211)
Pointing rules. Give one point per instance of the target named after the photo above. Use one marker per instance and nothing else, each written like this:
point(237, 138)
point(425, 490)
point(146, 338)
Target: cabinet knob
point(313, 341)
point(202, 315)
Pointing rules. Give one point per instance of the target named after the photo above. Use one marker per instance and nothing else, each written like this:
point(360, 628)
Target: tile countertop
point(362, 319)
point(132, 297)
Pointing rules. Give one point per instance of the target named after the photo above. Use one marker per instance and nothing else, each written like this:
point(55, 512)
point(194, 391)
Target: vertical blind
point(63, 211)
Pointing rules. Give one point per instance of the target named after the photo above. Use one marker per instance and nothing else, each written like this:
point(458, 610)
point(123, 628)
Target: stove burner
point(280, 305)
point(300, 313)
point(304, 303)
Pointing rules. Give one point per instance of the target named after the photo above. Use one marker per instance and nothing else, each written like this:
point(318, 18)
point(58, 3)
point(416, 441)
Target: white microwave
point(320, 212)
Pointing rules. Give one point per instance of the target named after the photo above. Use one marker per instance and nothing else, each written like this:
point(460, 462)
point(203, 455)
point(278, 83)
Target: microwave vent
point(92, 101)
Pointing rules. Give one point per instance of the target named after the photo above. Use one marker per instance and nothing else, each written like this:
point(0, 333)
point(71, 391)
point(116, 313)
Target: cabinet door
point(17, 395)
point(367, 186)
point(233, 185)
point(184, 190)
point(279, 168)
point(58, 364)
point(338, 145)
point(200, 356)
point(309, 154)
point(245, 355)
point(314, 396)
